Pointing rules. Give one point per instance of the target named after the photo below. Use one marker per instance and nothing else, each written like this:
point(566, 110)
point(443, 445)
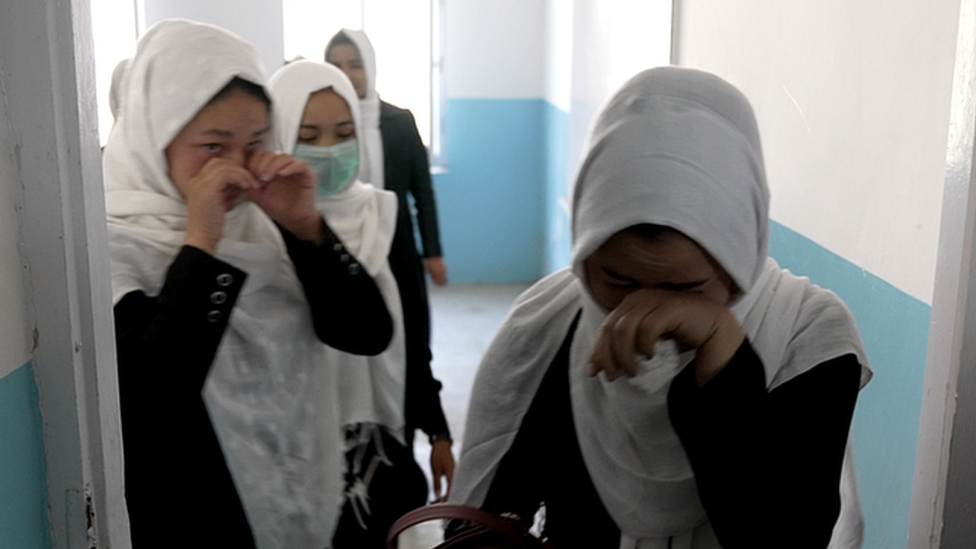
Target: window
point(405, 35)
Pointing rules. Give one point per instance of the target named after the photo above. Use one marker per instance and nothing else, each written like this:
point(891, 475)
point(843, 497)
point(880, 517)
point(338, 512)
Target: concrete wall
point(23, 505)
point(853, 105)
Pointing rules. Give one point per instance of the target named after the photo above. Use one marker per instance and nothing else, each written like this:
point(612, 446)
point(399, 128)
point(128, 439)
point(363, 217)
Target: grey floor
point(464, 319)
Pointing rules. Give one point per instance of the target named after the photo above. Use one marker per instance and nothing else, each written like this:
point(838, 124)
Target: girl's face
point(346, 58)
point(628, 262)
point(232, 127)
point(327, 120)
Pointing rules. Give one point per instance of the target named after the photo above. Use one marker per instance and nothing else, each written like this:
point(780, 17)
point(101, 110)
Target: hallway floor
point(464, 320)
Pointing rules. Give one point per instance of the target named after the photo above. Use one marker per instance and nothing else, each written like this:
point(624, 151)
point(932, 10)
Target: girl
point(394, 158)
point(693, 393)
point(318, 118)
point(225, 278)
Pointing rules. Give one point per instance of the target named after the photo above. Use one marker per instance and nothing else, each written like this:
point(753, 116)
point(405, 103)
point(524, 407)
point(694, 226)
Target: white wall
point(14, 337)
point(612, 41)
point(853, 103)
point(257, 21)
point(503, 44)
point(559, 53)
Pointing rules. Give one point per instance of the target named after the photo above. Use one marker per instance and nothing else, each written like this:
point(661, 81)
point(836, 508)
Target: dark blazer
point(406, 171)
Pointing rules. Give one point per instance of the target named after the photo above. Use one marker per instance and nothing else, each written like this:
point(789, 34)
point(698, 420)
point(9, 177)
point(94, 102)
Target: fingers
point(267, 166)
point(442, 469)
point(438, 497)
point(215, 189)
point(646, 316)
point(631, 330)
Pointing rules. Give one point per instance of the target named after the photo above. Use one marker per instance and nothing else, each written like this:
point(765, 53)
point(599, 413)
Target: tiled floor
point(464, 319)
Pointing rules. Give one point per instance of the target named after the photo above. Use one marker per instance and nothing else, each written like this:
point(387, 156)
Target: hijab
point(115, 90)
point(268, 395)
point(680, 148)
point(371, 162)
point(364, 218)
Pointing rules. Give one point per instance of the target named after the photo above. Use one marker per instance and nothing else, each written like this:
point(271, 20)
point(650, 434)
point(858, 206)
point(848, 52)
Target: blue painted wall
point(23, 492)
point(894, 327)
point(491, 199)
point(558, 230)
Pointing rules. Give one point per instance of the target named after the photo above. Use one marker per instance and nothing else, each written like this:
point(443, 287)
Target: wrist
point(715, 355)
point(203, 243)
point(440, 437)
point(310, 229)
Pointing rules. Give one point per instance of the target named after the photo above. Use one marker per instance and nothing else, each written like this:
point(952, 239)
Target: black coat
point(406, 171)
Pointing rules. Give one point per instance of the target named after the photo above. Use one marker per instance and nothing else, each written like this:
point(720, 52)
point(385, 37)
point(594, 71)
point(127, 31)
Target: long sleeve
point(544, 465)
point(423, 400)
point(422, 189)
point(767, 464)
point(348, 311)
point(175, 473)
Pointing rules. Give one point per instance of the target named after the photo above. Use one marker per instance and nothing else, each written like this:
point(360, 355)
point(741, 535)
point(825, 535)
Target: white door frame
point(944, 493)
point(48, 87)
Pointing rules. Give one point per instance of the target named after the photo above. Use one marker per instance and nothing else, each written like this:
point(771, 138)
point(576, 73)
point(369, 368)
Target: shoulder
point(391, 111)
point(823, 328)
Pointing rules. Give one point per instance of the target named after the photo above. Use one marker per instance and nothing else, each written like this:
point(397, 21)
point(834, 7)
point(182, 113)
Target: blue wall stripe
point(558, 231)
point(490, 201)
point(894, 327)
point(23, 491)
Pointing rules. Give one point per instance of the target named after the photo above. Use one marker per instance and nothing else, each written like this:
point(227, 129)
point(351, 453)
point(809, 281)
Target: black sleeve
point(422, 188)
point(423, 401)
point(348, 311)
point(767, 464)
point(181, 327)
point(165, 346)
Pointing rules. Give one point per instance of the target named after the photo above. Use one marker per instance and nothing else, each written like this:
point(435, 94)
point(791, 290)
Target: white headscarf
point(269, 398)
point(371, 161)
point(679, 148)
point(115, 91)
point(364, 218)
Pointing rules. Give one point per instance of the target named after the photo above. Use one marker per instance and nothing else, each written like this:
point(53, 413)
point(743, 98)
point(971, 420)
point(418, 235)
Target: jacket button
point(225, 279)
point(214, 316)
point(218, 298)
point(354, 269)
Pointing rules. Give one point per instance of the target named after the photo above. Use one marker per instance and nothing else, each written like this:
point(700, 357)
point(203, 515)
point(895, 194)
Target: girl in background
point(317, 119)
point(394, 158)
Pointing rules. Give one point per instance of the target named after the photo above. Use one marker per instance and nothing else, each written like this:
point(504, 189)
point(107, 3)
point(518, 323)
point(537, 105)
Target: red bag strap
point(488, 521)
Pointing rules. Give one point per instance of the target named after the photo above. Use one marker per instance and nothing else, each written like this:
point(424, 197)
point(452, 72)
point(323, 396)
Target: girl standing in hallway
point(225, 281)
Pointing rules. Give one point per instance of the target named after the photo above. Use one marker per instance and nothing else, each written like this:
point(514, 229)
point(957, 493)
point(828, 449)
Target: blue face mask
point(334, 166)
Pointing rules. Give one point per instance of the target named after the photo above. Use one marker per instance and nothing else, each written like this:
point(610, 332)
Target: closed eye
point(617, 280)
point(692, 287)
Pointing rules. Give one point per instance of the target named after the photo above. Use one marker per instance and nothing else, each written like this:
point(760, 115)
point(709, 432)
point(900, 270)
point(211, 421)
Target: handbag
point(483, 530)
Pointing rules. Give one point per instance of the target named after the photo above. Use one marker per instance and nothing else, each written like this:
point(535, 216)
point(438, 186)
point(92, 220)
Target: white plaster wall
point(612, 41)
point(14, 336)
point(853, 105)
point(559, 53)
point(495, 49)
point(257, 21)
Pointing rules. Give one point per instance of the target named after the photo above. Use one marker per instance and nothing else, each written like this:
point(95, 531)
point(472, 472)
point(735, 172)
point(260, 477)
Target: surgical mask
point(334, 166)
